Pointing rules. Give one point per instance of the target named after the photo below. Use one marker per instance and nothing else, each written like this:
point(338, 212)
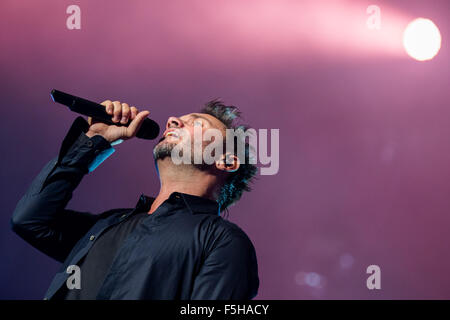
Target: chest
point(156, 258)
point(159, 245)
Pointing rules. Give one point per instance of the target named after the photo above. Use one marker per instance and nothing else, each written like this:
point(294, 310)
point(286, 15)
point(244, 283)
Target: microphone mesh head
point(149, 130)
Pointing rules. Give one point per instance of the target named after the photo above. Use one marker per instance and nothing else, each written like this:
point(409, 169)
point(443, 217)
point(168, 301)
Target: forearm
point(40, 216)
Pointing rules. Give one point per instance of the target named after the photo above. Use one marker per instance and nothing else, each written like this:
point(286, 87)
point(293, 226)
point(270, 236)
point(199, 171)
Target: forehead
point(212, 120)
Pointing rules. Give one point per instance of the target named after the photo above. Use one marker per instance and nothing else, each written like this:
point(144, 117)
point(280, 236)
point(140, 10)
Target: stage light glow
point(310, 279)
point(422, 39)
point(346, 261)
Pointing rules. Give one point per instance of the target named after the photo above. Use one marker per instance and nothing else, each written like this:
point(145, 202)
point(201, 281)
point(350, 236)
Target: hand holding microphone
point(111, 119)
point(120, 113)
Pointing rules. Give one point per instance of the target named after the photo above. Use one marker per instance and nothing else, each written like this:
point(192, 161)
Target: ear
point(229, 163)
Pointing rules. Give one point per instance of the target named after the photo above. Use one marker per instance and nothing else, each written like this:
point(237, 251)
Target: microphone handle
point(149, 128)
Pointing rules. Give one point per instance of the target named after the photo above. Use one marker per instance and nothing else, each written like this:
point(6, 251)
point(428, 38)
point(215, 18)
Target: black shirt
point(96, 263)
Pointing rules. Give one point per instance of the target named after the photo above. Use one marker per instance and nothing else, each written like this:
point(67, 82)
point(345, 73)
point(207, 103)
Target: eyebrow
point(196, 115)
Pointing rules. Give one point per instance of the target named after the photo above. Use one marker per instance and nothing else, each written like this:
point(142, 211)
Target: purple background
point(364, 130)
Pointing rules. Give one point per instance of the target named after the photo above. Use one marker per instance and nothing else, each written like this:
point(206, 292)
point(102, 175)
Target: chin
point(163, 149)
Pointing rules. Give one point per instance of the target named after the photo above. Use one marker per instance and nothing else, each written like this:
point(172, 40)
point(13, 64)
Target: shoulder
point(220, 233)
point(231, 229)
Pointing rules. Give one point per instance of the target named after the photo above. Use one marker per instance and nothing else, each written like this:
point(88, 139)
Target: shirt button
point(177, 197)
point(123, 216)
point(89, 143)
point(92, 237)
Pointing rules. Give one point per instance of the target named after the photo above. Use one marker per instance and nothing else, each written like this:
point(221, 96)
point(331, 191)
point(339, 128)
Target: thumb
point(134, 125)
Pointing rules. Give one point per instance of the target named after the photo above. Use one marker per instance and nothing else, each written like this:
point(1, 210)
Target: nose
point(174, 122)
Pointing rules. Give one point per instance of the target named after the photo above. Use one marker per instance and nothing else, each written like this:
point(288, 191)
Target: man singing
point(173, 246)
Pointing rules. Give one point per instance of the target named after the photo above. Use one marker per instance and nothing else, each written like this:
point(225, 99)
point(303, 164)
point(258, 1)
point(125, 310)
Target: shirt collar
point(195, 204)
point(144, 203)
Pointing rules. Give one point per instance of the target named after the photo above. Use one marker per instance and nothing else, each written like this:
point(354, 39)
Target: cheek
point(191, 133)
point(194, 134)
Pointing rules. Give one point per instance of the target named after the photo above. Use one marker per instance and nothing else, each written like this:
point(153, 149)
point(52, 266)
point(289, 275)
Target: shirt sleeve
point(41, 217)
point(229, 272)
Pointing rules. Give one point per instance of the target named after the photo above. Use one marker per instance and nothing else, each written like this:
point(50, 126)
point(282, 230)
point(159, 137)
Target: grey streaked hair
point(238, 181)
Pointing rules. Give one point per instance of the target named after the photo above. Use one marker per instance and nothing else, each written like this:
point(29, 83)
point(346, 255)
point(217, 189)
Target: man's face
point(180, 130)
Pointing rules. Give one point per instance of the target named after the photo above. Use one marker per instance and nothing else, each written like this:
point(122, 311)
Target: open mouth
point(171, 134)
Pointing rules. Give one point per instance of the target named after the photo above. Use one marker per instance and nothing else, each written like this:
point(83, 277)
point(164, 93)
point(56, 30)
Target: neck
point(184, 179)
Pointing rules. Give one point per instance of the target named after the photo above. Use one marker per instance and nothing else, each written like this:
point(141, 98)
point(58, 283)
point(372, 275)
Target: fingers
point(122, 112)
point(117, 112)
point(134, 126)
point(125, 113)
point(108, 106)
point(134, 112)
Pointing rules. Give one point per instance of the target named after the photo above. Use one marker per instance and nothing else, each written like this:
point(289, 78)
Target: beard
point(163, 150)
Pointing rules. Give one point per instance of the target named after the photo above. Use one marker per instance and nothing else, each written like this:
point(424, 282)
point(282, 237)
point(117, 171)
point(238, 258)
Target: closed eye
point(195, 120)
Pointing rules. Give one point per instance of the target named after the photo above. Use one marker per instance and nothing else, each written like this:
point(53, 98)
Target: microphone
point(149, 129)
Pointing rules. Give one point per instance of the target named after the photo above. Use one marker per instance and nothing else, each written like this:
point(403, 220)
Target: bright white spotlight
point(422, 39)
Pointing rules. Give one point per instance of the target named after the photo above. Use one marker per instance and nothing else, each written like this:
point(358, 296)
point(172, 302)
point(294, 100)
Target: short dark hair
point(238, 181)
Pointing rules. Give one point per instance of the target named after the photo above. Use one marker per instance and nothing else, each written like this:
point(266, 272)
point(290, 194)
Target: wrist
point(90, 134)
